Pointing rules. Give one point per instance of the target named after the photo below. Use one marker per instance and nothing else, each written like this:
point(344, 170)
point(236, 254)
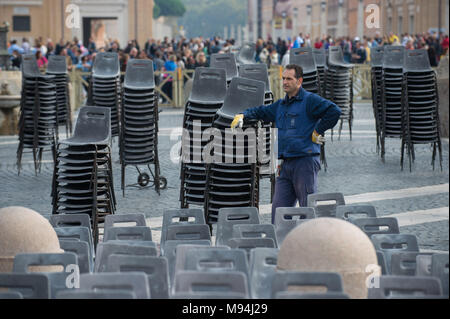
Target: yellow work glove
point(317, 138)
point(238, 121)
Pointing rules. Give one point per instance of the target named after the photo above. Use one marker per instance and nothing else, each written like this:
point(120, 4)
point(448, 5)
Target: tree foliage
point(172, 8)
point(208, 18)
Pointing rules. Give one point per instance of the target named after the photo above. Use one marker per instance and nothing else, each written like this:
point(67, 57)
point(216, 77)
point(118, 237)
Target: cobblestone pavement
point(418, 198)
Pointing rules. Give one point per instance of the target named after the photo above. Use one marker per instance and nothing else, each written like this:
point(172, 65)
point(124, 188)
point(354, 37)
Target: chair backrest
point(70, 220)
point(242, 94)
point(404, 287)
point(247, 53)
point(57, 64)
point(375, 225)
point(78, 233)
point(81, 249)
point(132, 281)
point(138, 233)
point(209, 86)
point(197, 281)
point(106, 65)
point(134, 219)
point(104, 250)
point(225, 61)
point(183, 216)
point(188, 232)
point(58, 280)
point(320, 57)
point(262, 267)
point(281, 281)
point(376, 56)
point(405, 263)
point(98, 294)
point(30, 286)
point(256, 72)
point(156, 268)
point(303, 57)
point(325, 210)
point(287, 218)
point(30, 67)
point(208, 295)
point(255, 231)
point(382, 262)
point(248, 244)
point(93, 125)
point(11, 295)
point(393, 57)
point(347, 212)
point(389, 244)
point(139, 75)
point(336, 57)
point(439, 269)
point(231, 216)
point(417, 61)
point(423, 265)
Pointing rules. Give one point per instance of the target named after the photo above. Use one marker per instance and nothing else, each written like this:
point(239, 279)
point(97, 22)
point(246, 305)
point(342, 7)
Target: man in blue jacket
point(301, 118)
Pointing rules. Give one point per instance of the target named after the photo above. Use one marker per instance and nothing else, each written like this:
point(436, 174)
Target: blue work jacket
point(296, 118)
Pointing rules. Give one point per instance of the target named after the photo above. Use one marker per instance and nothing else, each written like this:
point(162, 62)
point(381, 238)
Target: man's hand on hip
point(317, 138)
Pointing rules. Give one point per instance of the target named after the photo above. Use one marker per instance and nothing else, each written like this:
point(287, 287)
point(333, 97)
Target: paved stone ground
point(354, 168)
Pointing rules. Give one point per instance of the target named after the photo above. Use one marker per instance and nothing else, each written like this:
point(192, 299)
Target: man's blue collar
point(298, 97)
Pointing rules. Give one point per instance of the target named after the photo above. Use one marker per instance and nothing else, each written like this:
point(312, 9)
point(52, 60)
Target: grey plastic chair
point(211, 282)
point(405, 287)
point(104, 250)
point(138, 233)
point(389, 244)
point(132, 281)
point(423, 265)
point(208, 295)
point(81, 249)
point(225, 61)
point(404, 263)
point(30, 286)
point(98, 294)
point(262, 267)
point(375, 225)
point(347, 212)
point(111, 220)
point(70, 220)
point(439, 269)
point(156, 268)
point(281, 281)
point(11, 295)
point(382, 262)
point(231, 216)
point(298, 295)
point(209, 86)
point(325, 210)
point(58, 280)
point(187, 232)
point(287, 218)
point(246, 54)
point(255, 231)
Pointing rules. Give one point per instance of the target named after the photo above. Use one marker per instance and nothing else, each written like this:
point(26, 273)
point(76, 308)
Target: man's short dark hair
point(298, 70)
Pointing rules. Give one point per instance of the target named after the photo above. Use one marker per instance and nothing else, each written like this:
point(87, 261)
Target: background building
point(116, 19)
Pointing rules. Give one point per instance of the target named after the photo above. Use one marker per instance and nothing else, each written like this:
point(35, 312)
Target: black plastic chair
point(225, 61)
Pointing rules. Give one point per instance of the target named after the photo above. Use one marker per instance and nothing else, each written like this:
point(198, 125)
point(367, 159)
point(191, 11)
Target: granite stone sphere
point(23, 230)
point(331, 245)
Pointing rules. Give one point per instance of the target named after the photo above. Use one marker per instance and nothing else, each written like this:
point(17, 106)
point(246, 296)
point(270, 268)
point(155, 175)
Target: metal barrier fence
point(174, 87)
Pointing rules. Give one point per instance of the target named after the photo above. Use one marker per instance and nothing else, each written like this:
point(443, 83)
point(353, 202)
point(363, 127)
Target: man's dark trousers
point(298, 179)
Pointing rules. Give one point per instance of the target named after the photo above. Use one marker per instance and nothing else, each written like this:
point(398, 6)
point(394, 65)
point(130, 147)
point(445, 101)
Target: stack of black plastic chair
point(376, 72)
point(57, 66)
point(391, 94)
point(232, 179)
point(421, 105)
point(82, 177)
point(304, 57)
point(139, 119)
point(207, 96)
point(339, 85)
point(259, 72)
point(38, 129)
point(320, 58)
point(225, 61)
point(105, 86)
point(246, 54)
